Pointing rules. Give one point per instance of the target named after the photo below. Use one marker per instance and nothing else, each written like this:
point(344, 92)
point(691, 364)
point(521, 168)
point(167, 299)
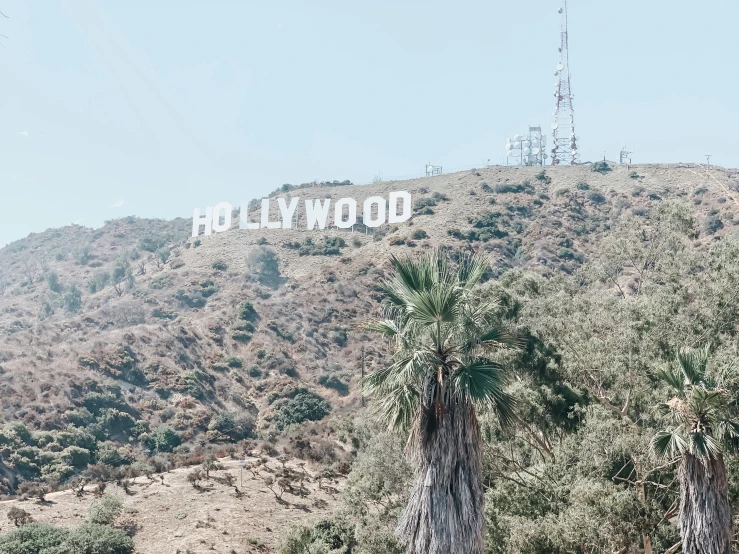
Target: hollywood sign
point(376, 211)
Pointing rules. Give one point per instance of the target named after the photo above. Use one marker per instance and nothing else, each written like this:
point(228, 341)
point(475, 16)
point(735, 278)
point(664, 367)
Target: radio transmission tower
point(564, 147)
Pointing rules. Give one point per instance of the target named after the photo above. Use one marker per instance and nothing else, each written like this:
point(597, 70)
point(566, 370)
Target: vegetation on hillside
point(133, 349)
point(590, 458)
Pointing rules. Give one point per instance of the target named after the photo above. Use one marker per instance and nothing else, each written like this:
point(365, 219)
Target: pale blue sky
point(154, 107)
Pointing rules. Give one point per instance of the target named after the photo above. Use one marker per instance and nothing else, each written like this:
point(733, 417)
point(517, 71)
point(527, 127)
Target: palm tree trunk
point(445, 513)
point(705, 516)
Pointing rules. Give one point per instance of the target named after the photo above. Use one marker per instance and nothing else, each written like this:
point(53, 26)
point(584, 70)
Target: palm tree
point(704, 425)
point(443, 332)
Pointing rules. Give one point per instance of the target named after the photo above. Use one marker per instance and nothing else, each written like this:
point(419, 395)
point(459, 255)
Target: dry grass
point(172, 516)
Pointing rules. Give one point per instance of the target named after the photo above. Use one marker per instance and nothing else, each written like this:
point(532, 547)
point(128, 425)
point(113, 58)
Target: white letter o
point(367, 211)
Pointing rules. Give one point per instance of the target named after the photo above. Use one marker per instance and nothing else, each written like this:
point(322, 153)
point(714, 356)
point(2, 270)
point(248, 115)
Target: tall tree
point(704, 425)
point(444, 334)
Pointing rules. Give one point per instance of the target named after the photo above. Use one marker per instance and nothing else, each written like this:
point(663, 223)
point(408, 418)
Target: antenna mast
point(564, 147)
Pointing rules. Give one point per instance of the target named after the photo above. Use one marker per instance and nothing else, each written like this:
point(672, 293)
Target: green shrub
point(34, 538)
point(304, 406)
point(328, 536)
point(160, 313)
point(241, 336)
point(713, 224)
point(98, 281)
point(119, 365)
point(232, 426)
point(264, 265)
point(163, 439)
point(115, 422)
point(339, 336)
point(335, 533)
point(423, 206)
point(75, 456)
point(79, 417)
point(601, 167)
point(487, 224)
point(81, 255)
point(52, 278)
point(285, 335)
point(525, 187)
point(73, 299)
point(194, 299)
point(195, 381)
point(595, 197)
point(542, 177)
point(150, 243)
point(234, 362)
point(522, 210)
point(91, 538)
point(162, 254)
point(42, 538)
point(219, 266)
point(329, 246)
point(568, 254)
point(419, 234)
point(297, 540)
point(109, 453)
point(247, 326)
point(207, 288)
point(104, 510)
point(95, 402)
point(336, 382)
point(254, 371)
point(247, 312)
point(487, 220)
point(160, 281)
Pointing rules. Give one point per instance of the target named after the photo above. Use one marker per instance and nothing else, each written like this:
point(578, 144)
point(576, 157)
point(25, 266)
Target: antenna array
point(564, 147)
point(527, 149)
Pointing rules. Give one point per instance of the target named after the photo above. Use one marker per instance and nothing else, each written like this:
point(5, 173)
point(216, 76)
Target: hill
point(141, 348)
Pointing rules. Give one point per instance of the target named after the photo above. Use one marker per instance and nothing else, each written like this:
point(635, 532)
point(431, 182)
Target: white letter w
point(316, 211)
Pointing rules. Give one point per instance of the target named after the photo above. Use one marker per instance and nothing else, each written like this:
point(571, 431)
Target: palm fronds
point(693, 362)
point(398, 407)
point(704, 417)
point(674, 379)
point(442, 330)
point(483, 382)
point(669, 443)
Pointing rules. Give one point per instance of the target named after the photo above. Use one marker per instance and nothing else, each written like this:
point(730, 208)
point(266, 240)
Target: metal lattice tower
point(564, 144)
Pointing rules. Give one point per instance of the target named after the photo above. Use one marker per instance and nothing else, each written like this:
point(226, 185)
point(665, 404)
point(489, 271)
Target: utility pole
point(362, 374)
point(708, 160)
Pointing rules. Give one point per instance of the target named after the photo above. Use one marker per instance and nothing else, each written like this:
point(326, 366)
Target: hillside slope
point(138, 344)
